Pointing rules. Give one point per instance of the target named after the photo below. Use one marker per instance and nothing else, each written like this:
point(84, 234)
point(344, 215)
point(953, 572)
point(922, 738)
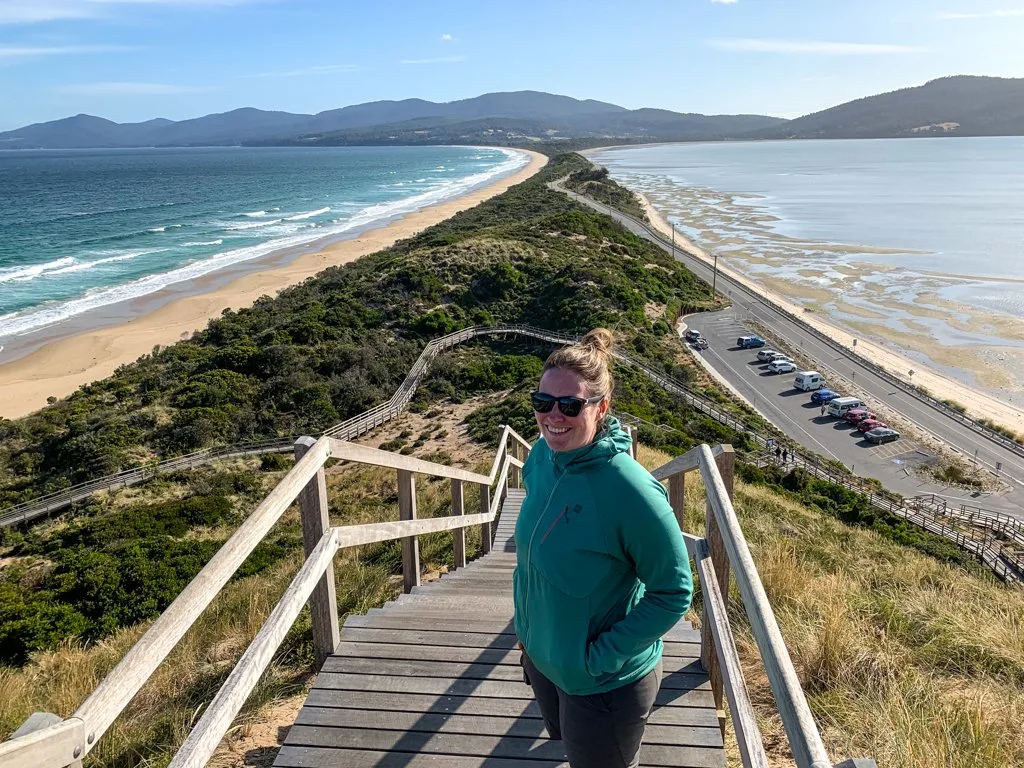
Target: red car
point(866, 425)
point(857, 415)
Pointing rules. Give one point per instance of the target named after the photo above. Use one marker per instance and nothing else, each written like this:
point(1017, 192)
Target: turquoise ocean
point(83, 230)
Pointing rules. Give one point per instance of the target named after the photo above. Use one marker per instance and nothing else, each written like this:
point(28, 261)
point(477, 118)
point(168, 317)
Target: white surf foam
point(219, 241)
point(254, 225)
point(20, 323)
point(307, 214)
point(32, 271)
point(256, 214)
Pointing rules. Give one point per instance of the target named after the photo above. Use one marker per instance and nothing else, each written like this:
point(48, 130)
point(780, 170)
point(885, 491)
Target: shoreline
point(61, 365)
point(942, 387)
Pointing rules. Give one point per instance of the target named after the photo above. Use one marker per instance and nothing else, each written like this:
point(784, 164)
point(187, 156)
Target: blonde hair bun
point(600, 339)
point(590, 359)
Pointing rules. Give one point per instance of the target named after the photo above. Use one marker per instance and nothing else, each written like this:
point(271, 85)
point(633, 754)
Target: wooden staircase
point(433, 679)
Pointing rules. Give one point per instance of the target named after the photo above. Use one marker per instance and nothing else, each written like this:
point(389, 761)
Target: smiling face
point(561, 432)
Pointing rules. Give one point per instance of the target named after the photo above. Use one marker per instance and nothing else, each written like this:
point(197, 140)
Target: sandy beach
point(60, 367)
point(978, 404)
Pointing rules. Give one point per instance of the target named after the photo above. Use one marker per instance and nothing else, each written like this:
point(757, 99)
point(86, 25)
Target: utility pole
point(714, 276)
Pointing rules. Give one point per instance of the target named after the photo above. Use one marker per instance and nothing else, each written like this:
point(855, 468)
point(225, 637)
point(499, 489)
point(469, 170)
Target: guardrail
point(987, 432)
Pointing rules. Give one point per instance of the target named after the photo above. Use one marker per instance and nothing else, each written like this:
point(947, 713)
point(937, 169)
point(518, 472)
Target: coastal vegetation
point(887, 640)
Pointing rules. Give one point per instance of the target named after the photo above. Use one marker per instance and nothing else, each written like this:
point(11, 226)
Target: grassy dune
point(905, 659)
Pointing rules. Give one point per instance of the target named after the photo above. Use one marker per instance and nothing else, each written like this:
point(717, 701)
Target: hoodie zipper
point(529, 547)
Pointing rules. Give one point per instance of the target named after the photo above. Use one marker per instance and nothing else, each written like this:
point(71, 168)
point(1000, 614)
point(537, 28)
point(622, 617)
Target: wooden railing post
point(485, 528)
point(323, 603)
point(677, 497)
point(458, 535)
point(632, 440)
point(726, 463)
point(410, 544)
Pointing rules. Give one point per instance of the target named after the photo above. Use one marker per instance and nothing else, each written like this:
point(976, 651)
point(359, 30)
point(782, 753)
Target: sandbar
point(60, 367)
point(978, 404)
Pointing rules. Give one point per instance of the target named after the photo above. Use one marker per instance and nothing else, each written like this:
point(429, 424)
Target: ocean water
point(940, 217)
point(81, 230)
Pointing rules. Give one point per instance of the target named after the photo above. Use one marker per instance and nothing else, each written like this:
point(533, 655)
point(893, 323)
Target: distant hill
point(958, 106)
point(519, 113)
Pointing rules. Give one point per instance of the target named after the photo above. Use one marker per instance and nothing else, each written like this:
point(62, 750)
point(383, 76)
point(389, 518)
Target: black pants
point(602, 730)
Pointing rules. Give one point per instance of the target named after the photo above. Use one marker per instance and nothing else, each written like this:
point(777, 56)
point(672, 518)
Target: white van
point(809, 381)
point(841, 405)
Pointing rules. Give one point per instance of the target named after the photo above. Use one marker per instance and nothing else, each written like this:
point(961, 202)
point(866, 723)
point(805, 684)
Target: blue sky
point(130, 60)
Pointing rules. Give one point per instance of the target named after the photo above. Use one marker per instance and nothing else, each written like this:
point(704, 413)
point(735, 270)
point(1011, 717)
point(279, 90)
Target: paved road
point(749, 307)
point(792, 411)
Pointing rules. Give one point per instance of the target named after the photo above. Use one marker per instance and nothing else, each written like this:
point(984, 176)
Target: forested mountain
point(519, 113)
point(959, 106)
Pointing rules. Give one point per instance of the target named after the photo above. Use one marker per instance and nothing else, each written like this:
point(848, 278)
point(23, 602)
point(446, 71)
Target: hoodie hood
point(611, 440)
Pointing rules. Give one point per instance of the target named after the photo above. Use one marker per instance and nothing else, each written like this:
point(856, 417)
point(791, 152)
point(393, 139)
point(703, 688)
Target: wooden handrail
point(748, 735)
point(204, 738)
point(717, 643)
point(69, 741)
point(125, 680)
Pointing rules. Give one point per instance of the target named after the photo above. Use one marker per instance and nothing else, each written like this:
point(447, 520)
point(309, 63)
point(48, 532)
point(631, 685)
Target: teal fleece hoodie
point(601, 567)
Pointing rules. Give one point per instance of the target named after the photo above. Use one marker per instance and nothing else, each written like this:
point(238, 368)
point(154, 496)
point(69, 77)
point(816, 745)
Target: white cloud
point(35, 51)
point(811, 46)
point(326, 69)
point(35, 11)
point(1004, 13)
point(129, 89)
point(436, 60)
point(724, 2)
point(446, 38)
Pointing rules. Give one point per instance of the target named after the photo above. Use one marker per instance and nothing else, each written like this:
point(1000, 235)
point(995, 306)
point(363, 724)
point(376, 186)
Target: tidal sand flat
point(916, 246)
point(91, 345)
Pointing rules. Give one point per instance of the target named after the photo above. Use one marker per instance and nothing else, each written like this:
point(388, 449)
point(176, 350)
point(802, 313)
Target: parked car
point(782, 366)
point(881, 435)
point(868, 424)
point(781, 356)
point(809, 381)
point(691, 335)
point(749, 342)
point(765, 355)
point(857, 415)
point(701, 343)
point(824, 396)
point(840, 405)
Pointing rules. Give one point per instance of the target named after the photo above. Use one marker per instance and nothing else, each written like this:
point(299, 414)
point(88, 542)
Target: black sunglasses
point(569, 406)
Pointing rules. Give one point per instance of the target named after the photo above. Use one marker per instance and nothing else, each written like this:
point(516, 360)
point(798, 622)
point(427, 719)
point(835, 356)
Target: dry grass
point(903, 658)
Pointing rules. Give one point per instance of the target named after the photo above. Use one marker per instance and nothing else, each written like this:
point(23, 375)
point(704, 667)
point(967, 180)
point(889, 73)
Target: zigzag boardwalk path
point(433, 679)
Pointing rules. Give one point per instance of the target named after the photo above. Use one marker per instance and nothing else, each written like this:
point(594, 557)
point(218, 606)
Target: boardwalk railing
point(346, 430)
point(723, 550)
point(67, 742)
point(1010, 567)
point(939, 405)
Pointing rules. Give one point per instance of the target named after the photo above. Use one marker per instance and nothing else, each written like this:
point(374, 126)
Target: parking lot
point(790, 409)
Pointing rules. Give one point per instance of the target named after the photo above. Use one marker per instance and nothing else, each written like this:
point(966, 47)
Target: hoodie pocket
point(558, 634)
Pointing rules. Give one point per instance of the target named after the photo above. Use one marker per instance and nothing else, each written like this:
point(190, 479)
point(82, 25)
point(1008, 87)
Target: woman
point(602, 571)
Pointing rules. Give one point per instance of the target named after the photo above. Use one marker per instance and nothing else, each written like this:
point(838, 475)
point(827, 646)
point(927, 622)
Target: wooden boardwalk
point(433, 679)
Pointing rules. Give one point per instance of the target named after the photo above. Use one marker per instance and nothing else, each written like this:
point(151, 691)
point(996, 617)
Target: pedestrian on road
point(778, 454)
point(601, 567)
point(785, 455)
point(824, 407)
